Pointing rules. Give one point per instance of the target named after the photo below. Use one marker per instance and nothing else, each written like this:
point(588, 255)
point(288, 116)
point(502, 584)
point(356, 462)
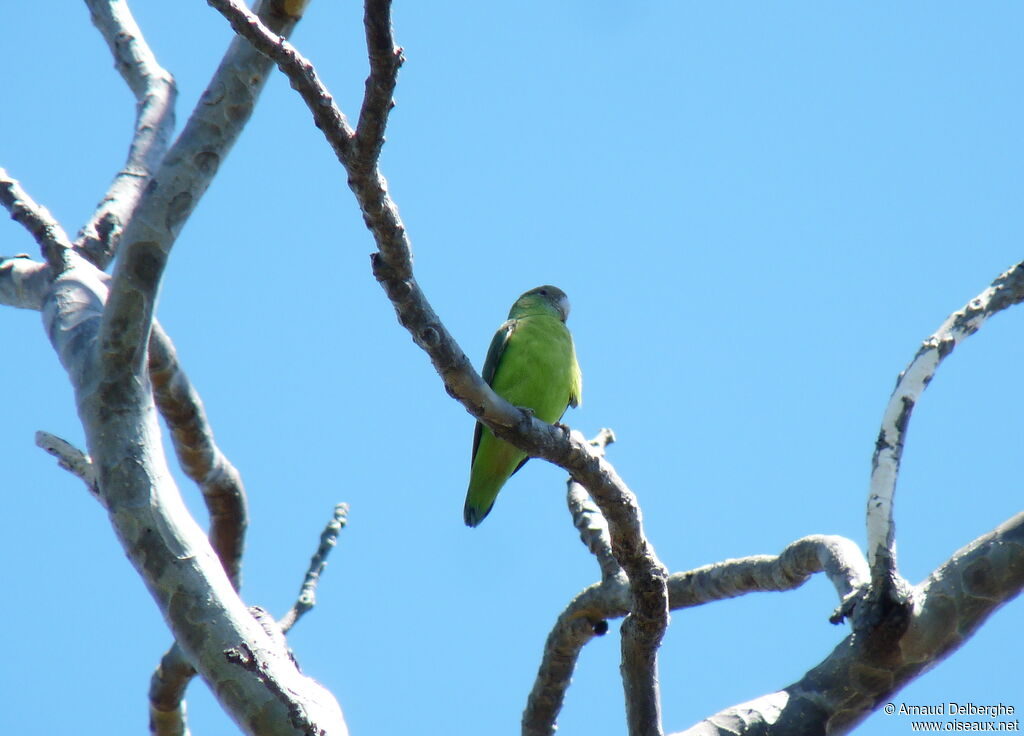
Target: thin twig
point(71, 459)
point(307, 593)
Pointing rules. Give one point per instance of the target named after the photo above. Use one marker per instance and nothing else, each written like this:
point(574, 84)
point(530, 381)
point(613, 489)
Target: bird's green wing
point(494, 353)
point(576, 389)
point(497, 349)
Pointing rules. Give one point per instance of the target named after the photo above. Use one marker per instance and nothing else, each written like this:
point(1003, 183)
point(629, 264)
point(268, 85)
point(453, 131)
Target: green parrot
point(531, 363)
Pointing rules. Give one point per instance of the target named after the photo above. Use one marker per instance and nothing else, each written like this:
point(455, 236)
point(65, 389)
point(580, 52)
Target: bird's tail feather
point(473, 513)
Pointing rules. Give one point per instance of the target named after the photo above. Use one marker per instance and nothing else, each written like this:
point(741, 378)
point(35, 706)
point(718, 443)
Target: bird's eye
point(543, 292)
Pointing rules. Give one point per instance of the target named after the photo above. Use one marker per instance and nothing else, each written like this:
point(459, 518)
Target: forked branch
point(862, 672)
point(586, 616)
point(155, 93)
point(1005, 291)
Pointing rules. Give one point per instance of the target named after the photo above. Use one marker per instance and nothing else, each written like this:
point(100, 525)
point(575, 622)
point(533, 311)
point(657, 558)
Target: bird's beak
point(564, 307)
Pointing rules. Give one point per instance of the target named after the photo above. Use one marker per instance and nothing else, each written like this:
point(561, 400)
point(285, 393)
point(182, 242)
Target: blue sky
point(758, 211)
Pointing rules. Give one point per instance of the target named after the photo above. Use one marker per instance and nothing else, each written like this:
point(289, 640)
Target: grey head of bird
point(541, 300)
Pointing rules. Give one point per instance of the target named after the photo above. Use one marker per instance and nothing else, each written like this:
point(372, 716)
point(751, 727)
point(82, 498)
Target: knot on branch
point(429, 337)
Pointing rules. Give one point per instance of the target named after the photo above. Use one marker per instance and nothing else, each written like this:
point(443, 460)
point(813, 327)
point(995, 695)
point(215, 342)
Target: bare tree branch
point(1004, 292)
point(245, 668)
point(225, 499)
point(24, 283)
point(199, 455)
point(307, 593)
point(385, 61)
point(53, 241)
point(392, 266)
point(862, 673)
point(184, 413)
point(155, 92)
point(585, 617)
point(194, 159)
point(593, 528)
point(589, 521)
point(178, 185)
point(839, 558)
point(948, 608)
point(102, 340)
point(167, 711)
